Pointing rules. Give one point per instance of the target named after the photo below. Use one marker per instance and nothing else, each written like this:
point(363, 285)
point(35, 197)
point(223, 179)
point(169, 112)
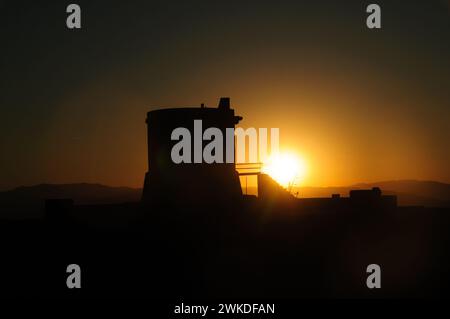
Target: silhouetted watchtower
point(191, 183)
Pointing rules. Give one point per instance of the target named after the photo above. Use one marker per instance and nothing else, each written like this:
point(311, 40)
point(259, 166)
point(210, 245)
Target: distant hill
point(28, 201)
point(409, 192)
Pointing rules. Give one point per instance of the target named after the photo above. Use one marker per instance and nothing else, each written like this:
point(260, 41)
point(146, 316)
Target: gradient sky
point(359, 105)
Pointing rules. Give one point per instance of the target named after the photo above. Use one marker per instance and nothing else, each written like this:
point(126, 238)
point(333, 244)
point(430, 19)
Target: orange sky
point(358, 105)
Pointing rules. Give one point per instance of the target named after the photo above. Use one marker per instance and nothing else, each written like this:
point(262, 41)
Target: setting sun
point(286, 168)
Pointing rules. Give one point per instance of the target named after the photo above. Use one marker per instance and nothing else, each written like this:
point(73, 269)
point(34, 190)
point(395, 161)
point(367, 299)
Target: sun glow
point(286, 168)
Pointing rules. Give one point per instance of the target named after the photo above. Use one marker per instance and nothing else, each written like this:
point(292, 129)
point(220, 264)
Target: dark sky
point(359, 105)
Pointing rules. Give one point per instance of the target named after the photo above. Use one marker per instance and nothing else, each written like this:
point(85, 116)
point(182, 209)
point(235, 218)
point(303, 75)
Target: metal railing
point(248, 168)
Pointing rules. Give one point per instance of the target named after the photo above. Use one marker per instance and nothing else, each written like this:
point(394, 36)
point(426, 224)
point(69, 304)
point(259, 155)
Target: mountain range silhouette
point(28, 201)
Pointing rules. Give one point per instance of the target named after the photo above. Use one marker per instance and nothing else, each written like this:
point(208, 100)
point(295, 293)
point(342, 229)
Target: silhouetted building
point(366, 194)
point(372, 198)
point(359, 199)
point(194, 183)
point(270, 190)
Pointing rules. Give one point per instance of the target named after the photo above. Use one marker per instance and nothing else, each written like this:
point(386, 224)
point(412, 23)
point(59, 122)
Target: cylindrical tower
point(192, 183)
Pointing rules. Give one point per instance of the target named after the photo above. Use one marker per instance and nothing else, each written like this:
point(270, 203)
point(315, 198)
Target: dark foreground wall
point(241, 250)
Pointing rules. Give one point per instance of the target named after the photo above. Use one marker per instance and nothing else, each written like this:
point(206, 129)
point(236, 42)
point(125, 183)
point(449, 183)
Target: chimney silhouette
point(224, 103)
